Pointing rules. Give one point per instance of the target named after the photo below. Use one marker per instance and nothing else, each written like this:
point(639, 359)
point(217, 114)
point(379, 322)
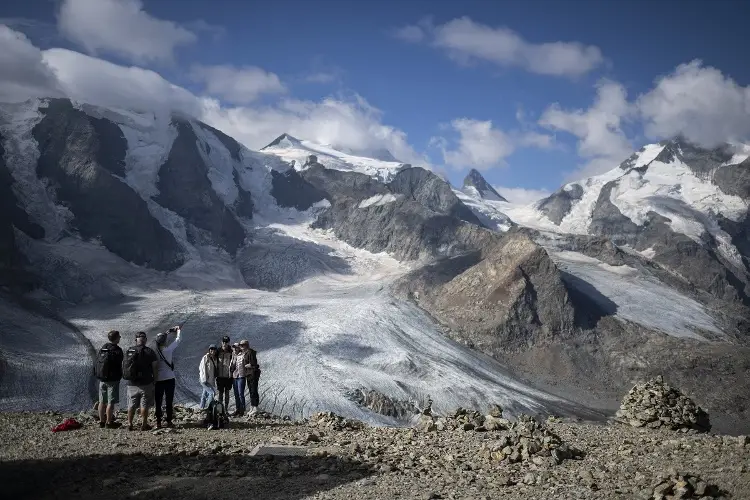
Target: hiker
point(109, 373)
point(239, 360)
point(165, 378)
point(140, 370)
point(207, 371)
point(252, 373)
point(224, 376)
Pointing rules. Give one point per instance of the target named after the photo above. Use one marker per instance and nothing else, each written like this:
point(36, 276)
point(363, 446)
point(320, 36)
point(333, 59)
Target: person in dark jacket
point(252, 374)
point(141, 390)
point(109, 382)
point(224, 375)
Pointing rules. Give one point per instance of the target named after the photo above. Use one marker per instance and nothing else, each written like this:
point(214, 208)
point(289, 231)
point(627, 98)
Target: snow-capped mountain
point(347, 271)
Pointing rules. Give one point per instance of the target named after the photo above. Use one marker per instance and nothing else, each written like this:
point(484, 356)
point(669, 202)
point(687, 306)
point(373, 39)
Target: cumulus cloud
point(698, 102)
point(481, 145)
point(521, 196)
point(95, 81)
point(322, 77)
point(241, 85)
point(349, 122)
point(24, 72)
point(465, 41)
point(601, 140)
point(123, 28)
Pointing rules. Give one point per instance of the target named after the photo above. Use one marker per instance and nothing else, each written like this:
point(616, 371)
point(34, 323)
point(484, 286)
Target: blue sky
point(438, 72)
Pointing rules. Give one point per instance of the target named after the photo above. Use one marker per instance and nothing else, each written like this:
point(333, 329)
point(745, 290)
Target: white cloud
point(322, 77)
point(536, 140)
point(121, 27)
point(601, 140)
point(698, 102)
point(95, 81)
point(349, 122)
point(237, 85)
point(465, 40)
point(521, 196)
point(479, 145)
point(24, 72)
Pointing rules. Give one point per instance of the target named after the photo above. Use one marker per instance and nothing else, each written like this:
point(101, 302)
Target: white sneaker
point(253, 411)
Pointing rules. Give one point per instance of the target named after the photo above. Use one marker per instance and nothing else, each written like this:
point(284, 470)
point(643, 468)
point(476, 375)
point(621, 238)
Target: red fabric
point(68, 425)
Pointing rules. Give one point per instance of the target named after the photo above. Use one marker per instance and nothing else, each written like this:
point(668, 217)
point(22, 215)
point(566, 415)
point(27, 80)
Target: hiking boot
point(169, 424)
point(158, 424)
point(101, 425)
point(113, 425)
point(131, 428)
point(146, 427)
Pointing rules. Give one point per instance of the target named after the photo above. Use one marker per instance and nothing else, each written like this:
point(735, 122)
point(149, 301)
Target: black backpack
point(216, 416)
point(108, 366)
point(137, 366)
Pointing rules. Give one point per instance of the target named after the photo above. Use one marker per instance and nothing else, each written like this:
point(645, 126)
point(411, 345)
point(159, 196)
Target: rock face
point(431, 192)
point(510, 296)
point(184, 187)
point(655, 404)
point(382, 404)
point(290, 189)
point(483, 188)
point(682, 485)
point(558, 204)
point(83, 159)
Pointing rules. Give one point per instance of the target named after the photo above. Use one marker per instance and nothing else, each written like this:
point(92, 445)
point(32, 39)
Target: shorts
point(223, 383)
point(140, 395)
point(109, 393)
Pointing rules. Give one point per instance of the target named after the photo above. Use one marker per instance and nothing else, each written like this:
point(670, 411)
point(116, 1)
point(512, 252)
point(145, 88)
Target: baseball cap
point(212, 346)
point(225, 338)
point(244, 342)
point(140, 335)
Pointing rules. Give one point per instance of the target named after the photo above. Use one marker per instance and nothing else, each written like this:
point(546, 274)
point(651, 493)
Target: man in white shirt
point(165, 378)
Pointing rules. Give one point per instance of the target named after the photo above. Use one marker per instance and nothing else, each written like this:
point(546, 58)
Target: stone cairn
point(654, 404)
point(528, 440)
point(330, 420)
point(464, 420)
point(678, 485)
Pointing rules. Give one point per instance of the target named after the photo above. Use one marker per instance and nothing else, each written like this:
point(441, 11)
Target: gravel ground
point(190, 462)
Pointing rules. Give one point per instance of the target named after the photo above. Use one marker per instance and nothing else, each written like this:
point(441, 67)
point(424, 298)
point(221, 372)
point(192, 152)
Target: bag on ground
point(216, 415)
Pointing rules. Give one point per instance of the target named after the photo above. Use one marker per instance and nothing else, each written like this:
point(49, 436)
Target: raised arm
point(171, 347)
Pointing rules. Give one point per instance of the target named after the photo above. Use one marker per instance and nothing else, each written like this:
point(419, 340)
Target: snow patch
point(378, 200)
point(486, 210)
point(220, 164)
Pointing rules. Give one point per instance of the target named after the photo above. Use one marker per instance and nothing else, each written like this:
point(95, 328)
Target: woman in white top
point(207, 371)
point(165, 378)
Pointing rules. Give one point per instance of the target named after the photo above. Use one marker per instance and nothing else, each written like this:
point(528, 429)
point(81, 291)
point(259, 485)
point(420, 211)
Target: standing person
point(207, 372)
point(140, 369)
point(239, 360)
point(224, 376)
point(252, 373)
point(109, 372)
point(165, 378)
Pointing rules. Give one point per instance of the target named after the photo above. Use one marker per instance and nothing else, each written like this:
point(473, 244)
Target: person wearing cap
point(165, 377)
point(142, 361)
point(224, 375)
point(207, 372)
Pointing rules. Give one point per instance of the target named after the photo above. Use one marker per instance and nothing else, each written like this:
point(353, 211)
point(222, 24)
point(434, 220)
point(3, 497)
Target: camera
point(172, 330)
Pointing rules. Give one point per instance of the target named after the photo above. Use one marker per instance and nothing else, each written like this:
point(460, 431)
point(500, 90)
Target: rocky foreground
point(450, 457)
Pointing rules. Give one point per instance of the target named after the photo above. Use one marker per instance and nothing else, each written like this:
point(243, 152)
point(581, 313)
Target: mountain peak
point(476, 182)
point(283, 141)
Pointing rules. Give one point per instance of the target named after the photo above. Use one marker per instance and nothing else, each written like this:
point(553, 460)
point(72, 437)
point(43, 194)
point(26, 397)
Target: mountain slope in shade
point(476, 185)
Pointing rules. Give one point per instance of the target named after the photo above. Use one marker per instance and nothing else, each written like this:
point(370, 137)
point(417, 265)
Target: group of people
point(149, 372)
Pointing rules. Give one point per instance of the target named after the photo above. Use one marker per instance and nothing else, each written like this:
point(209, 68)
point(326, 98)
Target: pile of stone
point(655, 404)
point(529, 440)
point(676, 485)
point(465, 420)
point(330, 420)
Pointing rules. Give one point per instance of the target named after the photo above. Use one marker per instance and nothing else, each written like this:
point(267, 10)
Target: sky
point(533, 94)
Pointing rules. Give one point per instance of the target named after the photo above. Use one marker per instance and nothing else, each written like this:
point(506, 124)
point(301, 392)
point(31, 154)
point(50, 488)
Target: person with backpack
point(224, 375)
point(207, 371)
point(252, 374)
point(140, 370)
point(165, 377)
point(109, 372)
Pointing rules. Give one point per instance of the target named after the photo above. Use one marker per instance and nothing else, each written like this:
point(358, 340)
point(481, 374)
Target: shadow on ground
point(142, 476)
